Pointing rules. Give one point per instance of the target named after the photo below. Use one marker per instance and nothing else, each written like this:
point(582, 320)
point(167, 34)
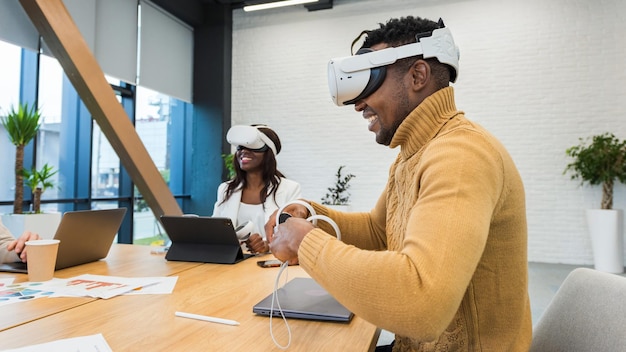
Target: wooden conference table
point(148, 323)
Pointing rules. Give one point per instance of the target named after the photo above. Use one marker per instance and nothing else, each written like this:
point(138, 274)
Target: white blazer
point(287, 191)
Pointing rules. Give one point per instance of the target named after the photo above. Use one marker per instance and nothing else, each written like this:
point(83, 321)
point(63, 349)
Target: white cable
point(313, 218)
point(283, 266)
point(329, 221)
point(297, 201)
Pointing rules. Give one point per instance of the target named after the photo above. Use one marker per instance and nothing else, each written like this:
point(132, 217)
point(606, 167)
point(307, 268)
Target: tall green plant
point(338, 194)
point(21, 125)
point(39, 181)
point(229, 165)
point(603, 161)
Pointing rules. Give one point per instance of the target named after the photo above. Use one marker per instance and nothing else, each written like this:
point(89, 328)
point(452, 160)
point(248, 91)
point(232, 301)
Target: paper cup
point(41, 259)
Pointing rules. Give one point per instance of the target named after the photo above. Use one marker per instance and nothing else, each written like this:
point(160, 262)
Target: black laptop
point(85, 236)
point(202, 239)
point(303, 298)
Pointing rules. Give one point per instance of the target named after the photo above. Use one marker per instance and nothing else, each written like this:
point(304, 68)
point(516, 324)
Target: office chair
point(587, 313)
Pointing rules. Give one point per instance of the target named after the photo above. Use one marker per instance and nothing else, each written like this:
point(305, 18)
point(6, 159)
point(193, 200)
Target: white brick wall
point(538, 74)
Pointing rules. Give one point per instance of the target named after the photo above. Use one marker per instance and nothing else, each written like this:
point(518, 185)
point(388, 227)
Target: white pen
point(206, 318)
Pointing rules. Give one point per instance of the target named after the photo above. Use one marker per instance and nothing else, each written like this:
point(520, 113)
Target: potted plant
point(22, 124)
point(601, 160)
point(39, 181)
point(338, 194)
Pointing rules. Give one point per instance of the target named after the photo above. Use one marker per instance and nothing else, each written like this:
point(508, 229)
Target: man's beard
point(386, 133)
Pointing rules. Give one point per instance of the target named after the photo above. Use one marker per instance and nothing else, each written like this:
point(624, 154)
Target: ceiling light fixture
point(272, 5)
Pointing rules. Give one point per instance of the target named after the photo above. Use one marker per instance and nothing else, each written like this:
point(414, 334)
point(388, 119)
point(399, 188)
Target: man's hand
point(295, 210)
point(19, 245)
point(287, 239)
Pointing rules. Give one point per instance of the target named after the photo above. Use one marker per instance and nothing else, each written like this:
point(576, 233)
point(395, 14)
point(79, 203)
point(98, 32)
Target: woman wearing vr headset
point(258, 188)
point(441, 259)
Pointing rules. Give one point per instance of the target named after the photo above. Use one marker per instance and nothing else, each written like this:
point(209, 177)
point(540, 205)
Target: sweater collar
point(423, 123)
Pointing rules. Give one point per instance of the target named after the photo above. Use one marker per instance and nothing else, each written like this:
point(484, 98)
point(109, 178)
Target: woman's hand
point(19, 245)
point(256, 244)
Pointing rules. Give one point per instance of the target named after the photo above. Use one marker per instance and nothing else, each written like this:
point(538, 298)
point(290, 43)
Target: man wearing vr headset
point(258, 188)
point(441, 260)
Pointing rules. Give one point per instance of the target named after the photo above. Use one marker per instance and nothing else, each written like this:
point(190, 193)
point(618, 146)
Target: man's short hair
point(405, 30)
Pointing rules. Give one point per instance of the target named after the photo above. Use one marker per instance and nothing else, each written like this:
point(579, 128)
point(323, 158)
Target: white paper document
point(92, 343)
point(21, 292)
point(97, 286)
point(101, 286)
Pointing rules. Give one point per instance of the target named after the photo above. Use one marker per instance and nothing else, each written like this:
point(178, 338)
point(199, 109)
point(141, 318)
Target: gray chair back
point(587, 313)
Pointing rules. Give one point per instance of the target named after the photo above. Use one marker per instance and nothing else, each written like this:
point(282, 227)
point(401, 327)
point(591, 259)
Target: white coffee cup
point(41, 259)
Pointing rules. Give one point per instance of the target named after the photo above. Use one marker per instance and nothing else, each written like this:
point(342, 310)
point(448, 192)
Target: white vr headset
point(250, 137)
point(355, 77)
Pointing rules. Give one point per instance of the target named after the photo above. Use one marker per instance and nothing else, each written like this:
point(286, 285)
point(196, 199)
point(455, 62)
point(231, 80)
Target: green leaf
point(228, 164)
point(599, 160)
point(338, 194)
point(22, 124)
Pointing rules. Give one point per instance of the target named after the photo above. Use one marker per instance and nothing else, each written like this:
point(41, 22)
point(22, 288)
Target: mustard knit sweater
point(441, 260)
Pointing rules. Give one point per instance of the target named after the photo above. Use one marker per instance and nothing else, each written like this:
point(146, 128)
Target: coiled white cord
point(296, 201)
point(313, 218)
point(283, 266)
point(330, 221)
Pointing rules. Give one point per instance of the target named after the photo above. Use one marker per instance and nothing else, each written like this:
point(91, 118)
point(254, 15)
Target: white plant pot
point(44, 224)
point(607, 239)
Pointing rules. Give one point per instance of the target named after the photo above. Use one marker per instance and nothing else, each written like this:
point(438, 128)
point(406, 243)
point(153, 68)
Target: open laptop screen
point(85, 236)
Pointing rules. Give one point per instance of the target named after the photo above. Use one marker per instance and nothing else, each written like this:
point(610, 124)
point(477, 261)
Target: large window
point(49, 100)
point(90, 174)
point(9, 96)
point(152, 123)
